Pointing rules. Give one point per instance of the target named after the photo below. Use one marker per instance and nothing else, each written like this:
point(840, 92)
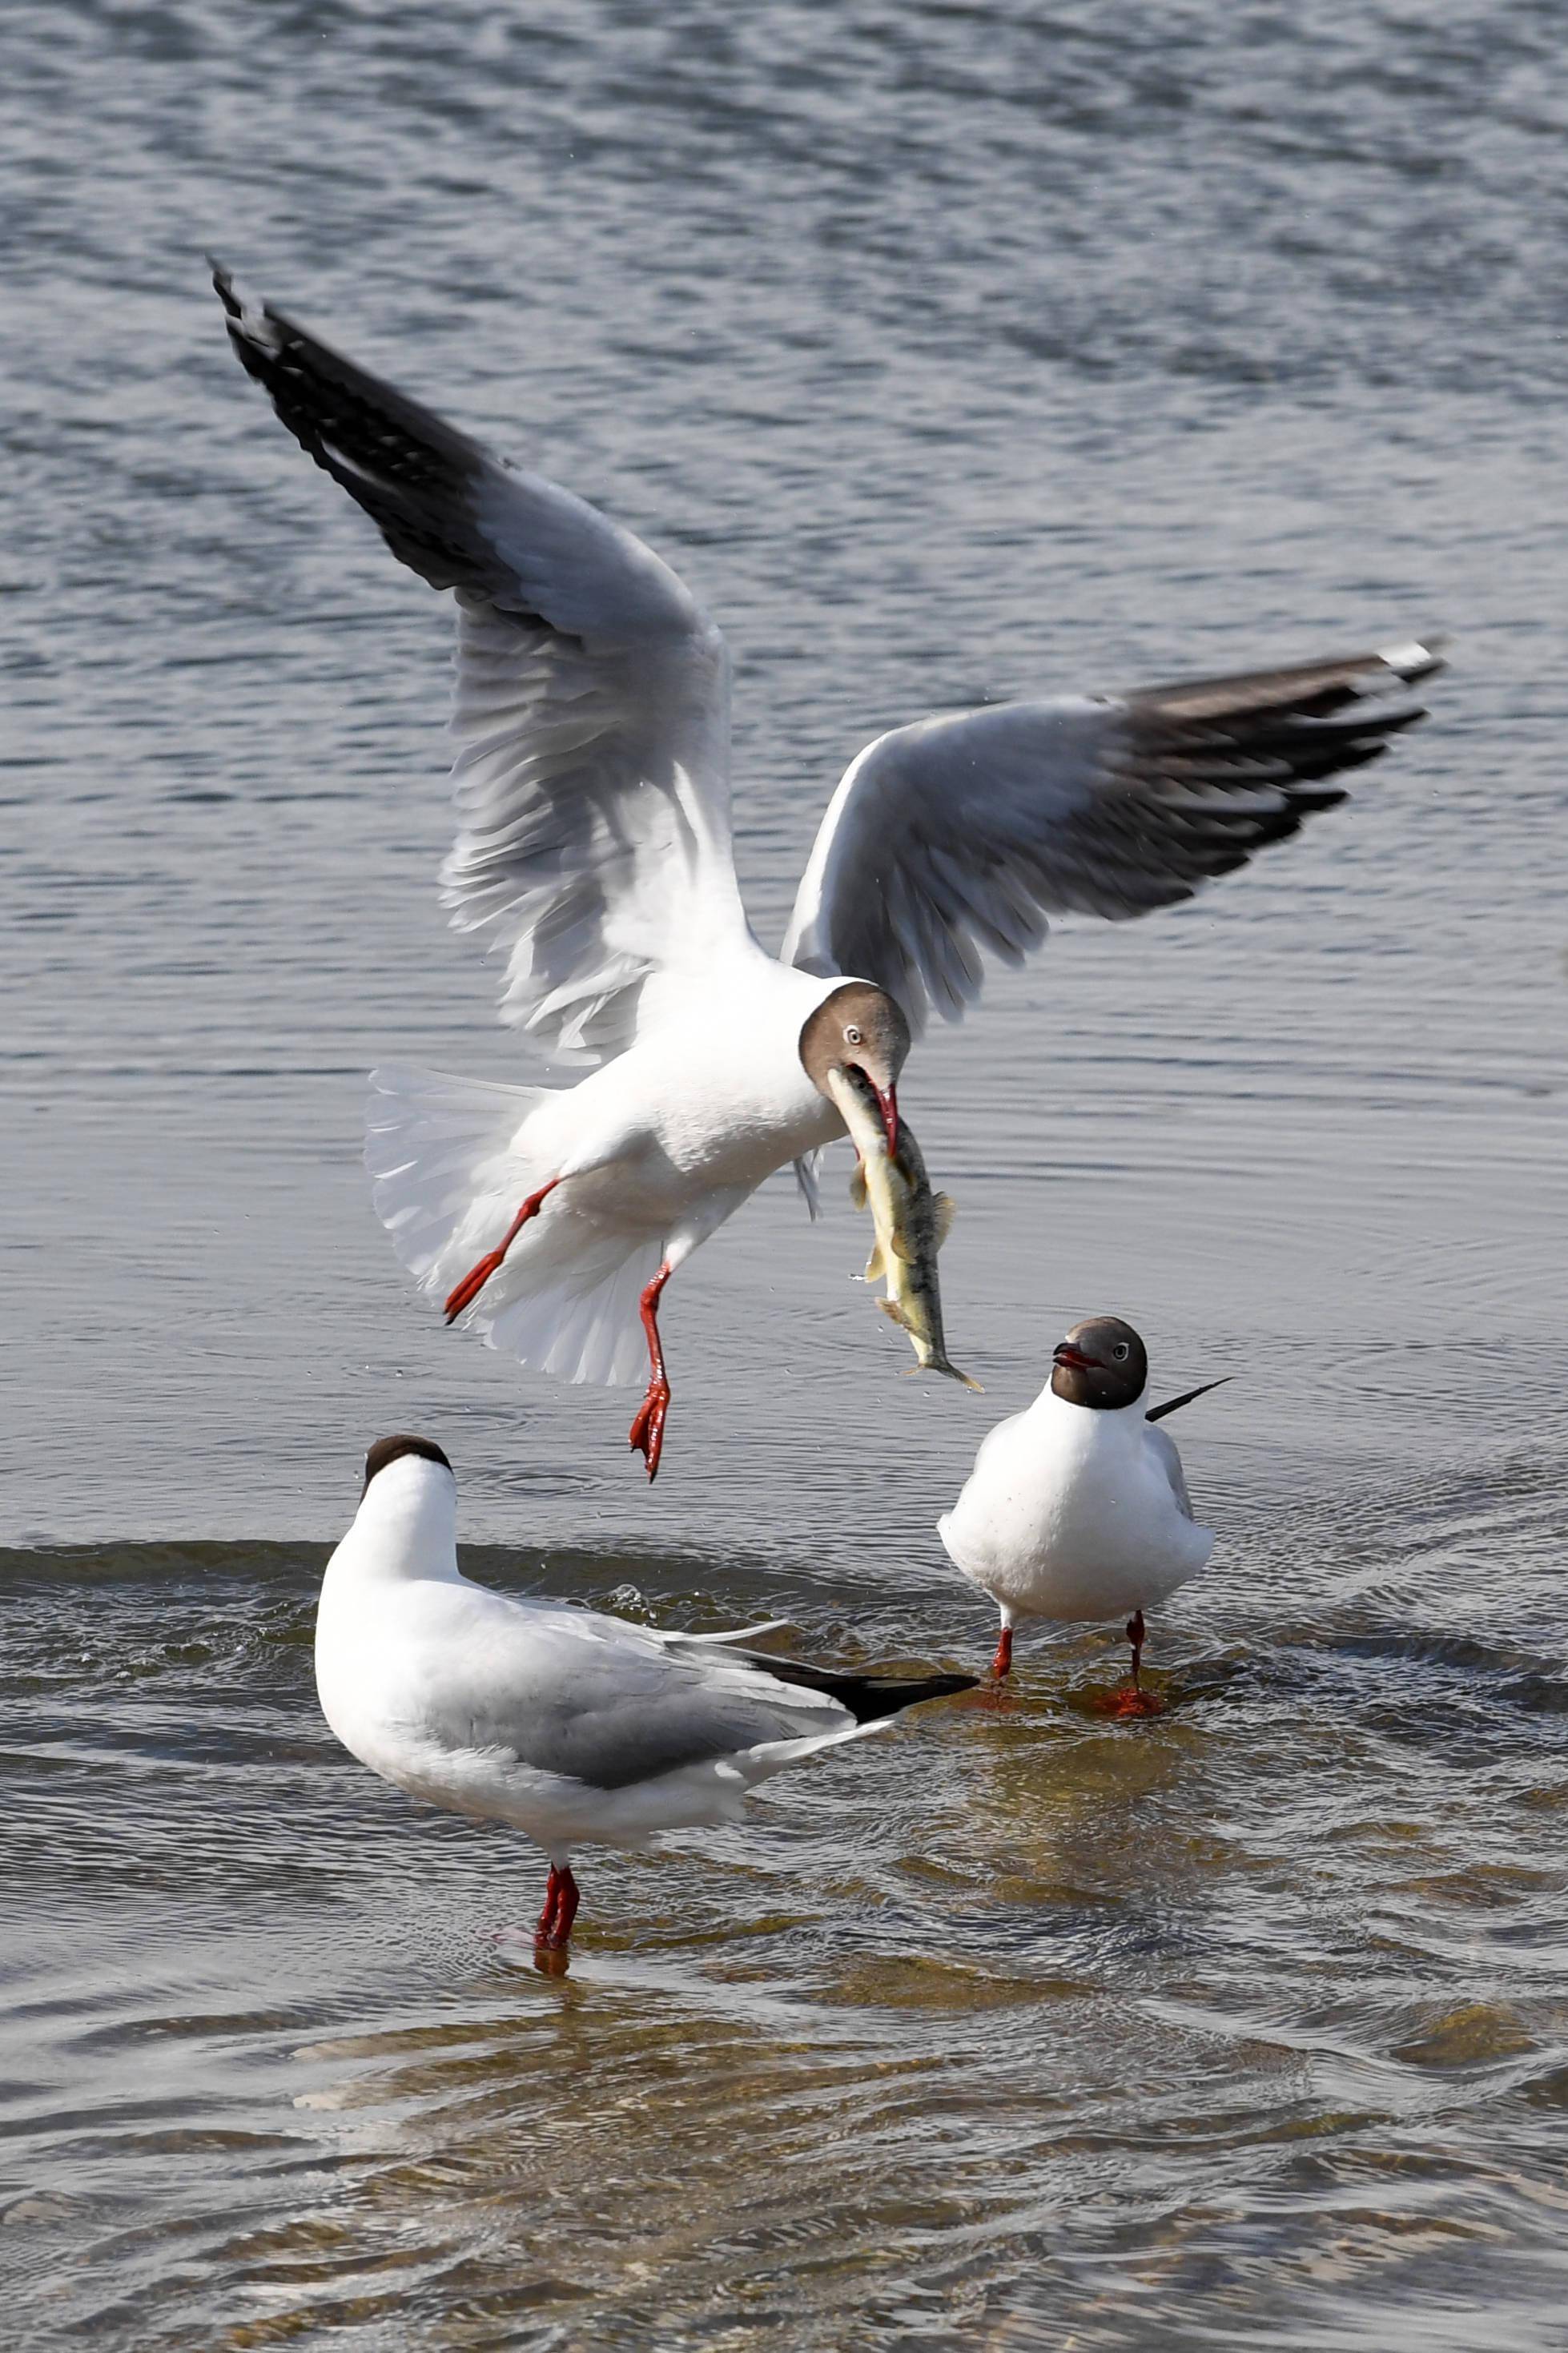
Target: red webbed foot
point(1129, 1700)
point(646, 1434)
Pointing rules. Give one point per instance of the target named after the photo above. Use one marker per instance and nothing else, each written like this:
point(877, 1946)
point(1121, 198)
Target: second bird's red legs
point(1132, 1698)
point(647, 1429)
point(1002, 1664)
point(478, 1275)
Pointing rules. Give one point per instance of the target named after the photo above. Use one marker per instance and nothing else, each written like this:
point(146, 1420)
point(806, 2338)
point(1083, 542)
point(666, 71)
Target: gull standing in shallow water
point(573, 1727)
point(1076, 1509)
point(593, 854)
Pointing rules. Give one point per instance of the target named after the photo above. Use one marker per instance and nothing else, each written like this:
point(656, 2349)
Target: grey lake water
point(952, 351)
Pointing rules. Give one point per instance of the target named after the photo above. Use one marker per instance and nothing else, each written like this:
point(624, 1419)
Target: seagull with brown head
point(594, 857)
point(1077, 1510)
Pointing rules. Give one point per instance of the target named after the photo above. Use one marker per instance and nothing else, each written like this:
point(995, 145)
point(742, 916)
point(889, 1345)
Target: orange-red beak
point(1065, 1354)
point(888, 1104)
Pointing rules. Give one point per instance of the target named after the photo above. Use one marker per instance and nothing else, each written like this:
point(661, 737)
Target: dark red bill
point(888, 1104)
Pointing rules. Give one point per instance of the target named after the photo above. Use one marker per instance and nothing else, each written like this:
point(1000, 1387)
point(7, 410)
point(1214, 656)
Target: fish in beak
point(910, 1220)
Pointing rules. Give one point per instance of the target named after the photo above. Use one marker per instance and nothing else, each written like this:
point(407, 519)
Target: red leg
point(647, 1429)
point(1002, 1664)
point(1131, 1699)
point(474, 1281)
point(561, 1902)
point(566, 1910)
point(544, 1932)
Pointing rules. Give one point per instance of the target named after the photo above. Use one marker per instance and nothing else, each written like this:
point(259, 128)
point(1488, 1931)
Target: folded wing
point(1171, 1462)
point(591, 708)
point(601, 1701)
point(955, 839)
point(611, 1703)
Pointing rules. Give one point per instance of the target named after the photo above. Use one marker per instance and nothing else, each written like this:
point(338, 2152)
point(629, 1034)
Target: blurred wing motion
point(591, 708)
point(956, 837)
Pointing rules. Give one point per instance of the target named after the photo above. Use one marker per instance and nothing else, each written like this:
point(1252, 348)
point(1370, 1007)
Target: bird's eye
point(1119, 1354)
point(852, 1035)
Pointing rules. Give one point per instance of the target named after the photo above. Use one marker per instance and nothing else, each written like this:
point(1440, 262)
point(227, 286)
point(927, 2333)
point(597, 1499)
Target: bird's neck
point(1106, 1425)
point(406, 1528)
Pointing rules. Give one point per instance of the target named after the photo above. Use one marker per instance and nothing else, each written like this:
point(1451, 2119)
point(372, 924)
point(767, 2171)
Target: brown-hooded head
point(858, 1027)
point(391, 1450)
point(1101, 1362)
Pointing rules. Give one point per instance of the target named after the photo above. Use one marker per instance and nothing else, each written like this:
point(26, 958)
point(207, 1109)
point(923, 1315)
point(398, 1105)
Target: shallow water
point(950, 351)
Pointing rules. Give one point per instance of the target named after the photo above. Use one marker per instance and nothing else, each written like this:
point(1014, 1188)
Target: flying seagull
point(593, 856)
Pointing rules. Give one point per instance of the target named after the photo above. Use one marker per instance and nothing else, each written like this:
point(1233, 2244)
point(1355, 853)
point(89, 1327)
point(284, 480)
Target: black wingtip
point(1174, 1405)
point(250, 330)
point(868, 1697)
point(223, 288)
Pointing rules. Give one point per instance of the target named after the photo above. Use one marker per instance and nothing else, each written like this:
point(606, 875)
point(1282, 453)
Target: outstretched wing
point(591, 709)
point(956, 837)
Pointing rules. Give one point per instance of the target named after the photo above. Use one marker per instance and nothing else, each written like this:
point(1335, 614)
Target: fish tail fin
point(940, 1364)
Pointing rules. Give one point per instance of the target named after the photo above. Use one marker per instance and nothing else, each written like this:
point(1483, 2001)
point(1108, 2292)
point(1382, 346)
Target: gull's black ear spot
point(389, 1450)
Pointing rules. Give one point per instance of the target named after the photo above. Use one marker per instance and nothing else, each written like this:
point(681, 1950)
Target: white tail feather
point(450, 1161)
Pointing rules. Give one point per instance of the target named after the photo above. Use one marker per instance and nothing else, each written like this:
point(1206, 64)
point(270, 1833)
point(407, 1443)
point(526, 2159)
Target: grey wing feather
point(600, 1701)
point(1165, 1448)
point(591, 707)
point(956, 838)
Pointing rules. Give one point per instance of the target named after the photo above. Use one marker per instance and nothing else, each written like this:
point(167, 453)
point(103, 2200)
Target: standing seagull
point(1077, 1509)
point(594, 853)
point(571, 1727)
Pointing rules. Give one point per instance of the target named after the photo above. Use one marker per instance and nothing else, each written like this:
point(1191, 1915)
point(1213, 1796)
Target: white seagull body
point(1076, 1515)
point(1077, 1511)
point(593, 856)
point(568, 1725)
point(662, 1144)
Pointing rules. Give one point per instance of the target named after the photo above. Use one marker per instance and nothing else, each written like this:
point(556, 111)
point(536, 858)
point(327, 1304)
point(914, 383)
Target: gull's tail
point(450, 1160)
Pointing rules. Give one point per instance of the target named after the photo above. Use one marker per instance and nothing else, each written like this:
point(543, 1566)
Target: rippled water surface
point(951, 352)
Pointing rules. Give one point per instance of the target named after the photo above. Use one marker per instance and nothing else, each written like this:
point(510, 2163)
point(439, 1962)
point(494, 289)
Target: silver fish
point(912, 1222)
